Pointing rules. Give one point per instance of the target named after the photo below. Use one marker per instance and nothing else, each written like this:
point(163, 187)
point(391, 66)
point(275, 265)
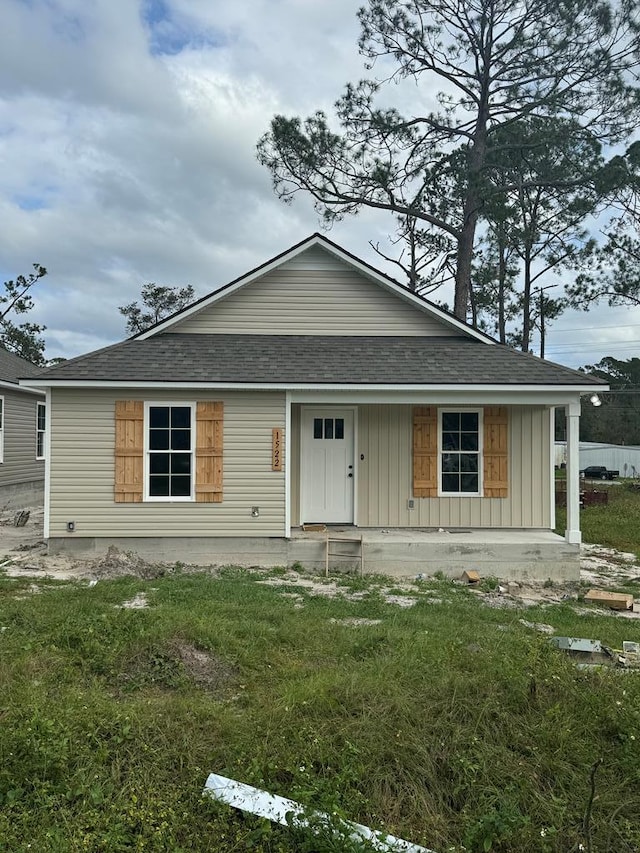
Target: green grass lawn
point(616, 525)
point(448, 723)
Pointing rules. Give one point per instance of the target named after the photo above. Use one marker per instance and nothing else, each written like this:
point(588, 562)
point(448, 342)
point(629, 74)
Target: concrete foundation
point(505, 554)
point(21, 495)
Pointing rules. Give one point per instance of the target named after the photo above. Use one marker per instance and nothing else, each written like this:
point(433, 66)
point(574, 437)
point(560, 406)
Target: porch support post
point(552, 461)
point(572, 533)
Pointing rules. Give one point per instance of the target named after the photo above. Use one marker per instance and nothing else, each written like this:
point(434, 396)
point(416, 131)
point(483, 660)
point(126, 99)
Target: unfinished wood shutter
point(496, 452)
point(129, 450)
point(209, 433)
point(425, 452)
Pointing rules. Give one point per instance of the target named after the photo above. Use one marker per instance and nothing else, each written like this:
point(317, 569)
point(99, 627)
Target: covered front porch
point(372, 478)
point(506, 533)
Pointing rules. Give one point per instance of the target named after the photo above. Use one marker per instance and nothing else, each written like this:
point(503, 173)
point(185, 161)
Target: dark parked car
point(599, 472)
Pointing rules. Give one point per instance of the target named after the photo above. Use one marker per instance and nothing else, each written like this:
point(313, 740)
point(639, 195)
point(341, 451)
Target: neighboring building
point(615, 457)
point(314, 389)
point(22, 434)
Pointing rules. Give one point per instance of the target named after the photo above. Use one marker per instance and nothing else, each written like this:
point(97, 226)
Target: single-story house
point(313, 391)
point(22, 434)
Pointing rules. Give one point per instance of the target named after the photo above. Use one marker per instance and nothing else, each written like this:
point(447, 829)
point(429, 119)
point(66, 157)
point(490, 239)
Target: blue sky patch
point(170, 34)
point(30, 201)
point(67, 25)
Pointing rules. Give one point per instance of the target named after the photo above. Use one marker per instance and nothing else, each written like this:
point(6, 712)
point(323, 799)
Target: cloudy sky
point(127, 154)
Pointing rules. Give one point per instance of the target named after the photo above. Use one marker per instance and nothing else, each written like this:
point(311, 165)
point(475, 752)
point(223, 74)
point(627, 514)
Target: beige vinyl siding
point(385, 486)
point(317, 258)
point(293, 300)
point(20, 464)
point(82, 469)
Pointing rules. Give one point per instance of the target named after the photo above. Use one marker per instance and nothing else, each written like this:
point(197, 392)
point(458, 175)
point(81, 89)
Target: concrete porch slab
point(508, 554)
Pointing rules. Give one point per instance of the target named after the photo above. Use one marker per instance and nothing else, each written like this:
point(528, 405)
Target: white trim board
point(322, 389)
point(479, 452)
point(47, 466)
point(14, 386)
point(146, 496)
point(288, 446)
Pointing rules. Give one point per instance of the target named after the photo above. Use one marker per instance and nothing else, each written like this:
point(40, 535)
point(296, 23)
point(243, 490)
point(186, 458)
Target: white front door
point(327, 465)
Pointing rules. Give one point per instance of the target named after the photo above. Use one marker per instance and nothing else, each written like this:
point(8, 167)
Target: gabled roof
point(285, 361)
point(13, 368)
point(466, 358)
point(319, 240)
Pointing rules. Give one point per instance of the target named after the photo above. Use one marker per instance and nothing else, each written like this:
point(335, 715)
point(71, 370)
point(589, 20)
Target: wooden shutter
point(209, 432)
point(425, 452)
point(129, 449)
point(496, 452)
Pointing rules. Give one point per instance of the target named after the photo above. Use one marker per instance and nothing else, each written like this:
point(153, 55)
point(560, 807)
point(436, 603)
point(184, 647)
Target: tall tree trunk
point(465, 256)
point(473, 305)
point(526, 302)
point(475, 164)
point(502, 277)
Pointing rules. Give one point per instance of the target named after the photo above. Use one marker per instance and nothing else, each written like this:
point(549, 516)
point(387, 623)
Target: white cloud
point(127, 138)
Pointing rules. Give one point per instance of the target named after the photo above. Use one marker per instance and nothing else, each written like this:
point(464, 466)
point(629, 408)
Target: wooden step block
point(471, 576)
point(614, 600)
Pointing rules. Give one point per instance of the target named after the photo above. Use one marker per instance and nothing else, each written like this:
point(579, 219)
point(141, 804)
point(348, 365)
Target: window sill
point(168, 500)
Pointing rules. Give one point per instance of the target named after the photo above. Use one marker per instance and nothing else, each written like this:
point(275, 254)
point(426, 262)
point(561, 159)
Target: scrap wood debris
point(613, 600)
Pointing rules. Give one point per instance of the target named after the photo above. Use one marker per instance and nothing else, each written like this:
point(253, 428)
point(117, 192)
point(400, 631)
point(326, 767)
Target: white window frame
point(2, 419)
point(183, 404)
point(463, 410)
point(41, 433)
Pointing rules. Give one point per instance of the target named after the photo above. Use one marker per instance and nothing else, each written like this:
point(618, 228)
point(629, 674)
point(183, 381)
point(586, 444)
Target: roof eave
point(19, 386)
point(324, 386)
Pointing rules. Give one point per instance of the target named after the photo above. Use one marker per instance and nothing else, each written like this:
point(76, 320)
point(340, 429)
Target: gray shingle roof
point(12, 367)
point(315, 359)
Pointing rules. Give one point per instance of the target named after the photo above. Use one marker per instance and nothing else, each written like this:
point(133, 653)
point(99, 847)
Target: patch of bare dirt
point(399, 600)
point(138, 602)
point(331, 588)
point(23, 553)
point(538, 626)
point(327, 587)
point(602, 566)
point(168, 666)
point(204, 668)
point(116, 564)
point(21, 538)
